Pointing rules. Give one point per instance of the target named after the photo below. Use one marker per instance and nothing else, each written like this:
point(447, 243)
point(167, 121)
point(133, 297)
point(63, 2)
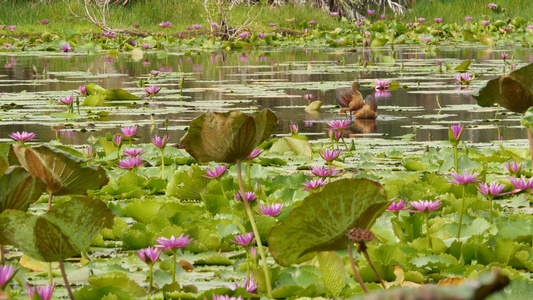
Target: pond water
point(253, 80)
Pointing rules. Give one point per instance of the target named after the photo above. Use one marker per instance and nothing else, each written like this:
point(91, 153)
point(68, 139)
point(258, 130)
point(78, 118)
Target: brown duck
point(351, 100)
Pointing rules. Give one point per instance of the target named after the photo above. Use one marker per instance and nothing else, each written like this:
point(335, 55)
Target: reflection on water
point(428, 102)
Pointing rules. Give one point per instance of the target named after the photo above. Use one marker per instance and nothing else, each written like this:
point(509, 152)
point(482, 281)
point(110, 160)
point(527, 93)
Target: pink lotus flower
point(521, 184)
point(363, 18)
point(188, 27)
point(367, 33)
point(66, 48)
point(213, 24)
point(369, 11)
point(12, 27)
point(438, 20)
point(272, 210)
point(396, 206)
point(110, 35)
point(339, 124)
point(133, 151)
point(494, 189)
point(244, 240)
point(334, 14)
point(249, 285)
point(464, 78)
point(45, 292)
point(382, 84)
point(513, 168)
point(250, 196)
point(82, 90)
point(129, 131)
point(324, 171)
point(357, 23)
point(485, 22)
point(165, 24)
point(333, 134)
point(504, 56)
point(117, 139)
point(383, 17)
point(133, 42)
point(314, 183)
point(131, 162)
point(423, 205)
point(421, 20)
point(465, 178)
point(146, 46)
point(330, 155)
point(255, 153)
point(152, 90)
point(493, 5)
point(217, 172)
point(468, 19)
point(154, 73)
point(366, 42)
point(136, 25)
point(67, 100)
point(87, 152)
point(272, 24)
point(173, 243)
point(454, 134)
point(312, 22)
point(225, 297)
point(197, 26)
point(7, 45)
point(426, 40)
point(243, 35)
point(44, 22)
point(294, 129)
point(308, 96)
point(22, 136)
point(6, 272)
point(160, 142)
point(149, 255)
point(262, 35)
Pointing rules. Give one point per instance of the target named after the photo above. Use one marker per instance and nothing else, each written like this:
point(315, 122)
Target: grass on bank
point(183, 13)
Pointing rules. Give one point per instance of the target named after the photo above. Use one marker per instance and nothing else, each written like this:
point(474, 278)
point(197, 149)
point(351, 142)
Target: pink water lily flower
point(262, 35)
point(493, 5)
point(423, 206)
point(82, 89)
point(243, 35)
point(464, 78)
point(136, 25)
point(396, 206)
point(333, 134)
point(513, 167)
point(255, 153)
point(494, 189)
point(382, 84)
point(421, 20)
point(454, 133)
point(217, 172)
point(330, 154)
point(22, 136)
point(45, 292)
point(173, 243)
point(244, 240)
point(152, 90)
point(504, 56)
point(131, 162)
point(485, 22)
point(129, 131)
point(312, 22)
point(117, 139)
point(272, 24)
point(67, 100)
point(339, 124)
point(438, 20)
point(44, 22)
point(465, 178)
point(249, 285)
point(225, 297)
point(66, 48)
point(196, 26)
point(272, 210)
point(154, 73)
point(308, 96)
point(294, 129)
point(426, 40)
point(324, 172)
point(133, 151)
point(314, 183)
point(334, 14)
point(110, 35)
point(521, 184)
point(149, 255)
point(87, 152)
point(250, 196)
point(468, 19)
point(6, 272)
point(160, 142)
point(213, 24)
point(12, 27)
point(165, 24)
point(369, 11)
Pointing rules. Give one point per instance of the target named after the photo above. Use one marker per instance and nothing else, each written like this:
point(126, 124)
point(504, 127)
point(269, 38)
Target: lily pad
point(18, 189)
point(324, 218)
point(64, 231)
point(119, 94)
point(228, 137)
point(61, 171)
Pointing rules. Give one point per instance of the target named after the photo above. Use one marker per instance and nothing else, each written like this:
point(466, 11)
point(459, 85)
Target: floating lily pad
point(18, 189)
point(64, 231)
point(324, 218)
point(228, 137)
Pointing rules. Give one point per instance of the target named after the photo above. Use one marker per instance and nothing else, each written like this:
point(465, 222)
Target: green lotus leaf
point(93, 89)
point(64, 231)
point(514, 92)
point(61, 171)
point(324, 218)
point(94, 100)
point(228, 137)
point(19, 189)
point(119, 94)
point(188, 184)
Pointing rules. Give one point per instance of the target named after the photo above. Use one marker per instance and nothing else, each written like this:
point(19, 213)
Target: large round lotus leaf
point(324, 218)
point(61, 171)
point(228, 137)
point(64, 231)
point(514, 92)
point(19, 189)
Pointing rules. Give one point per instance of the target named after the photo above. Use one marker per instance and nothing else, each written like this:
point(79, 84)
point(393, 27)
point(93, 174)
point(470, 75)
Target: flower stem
point(248, 167)
point(530, 138)
point(50, 196)
point(50, 276)
point(162, 164)
point(151, 278)
point(363, 248)
point(357, 276)
point(248, 263)
point(174, 265)
point(222, 189)
point(427, 231)
point(256, 232)
point(461, 214)
point(2, 259)
point(131, 141)
point(65, 279)
point(456, 159)
point(490, 201)
point(329, 177)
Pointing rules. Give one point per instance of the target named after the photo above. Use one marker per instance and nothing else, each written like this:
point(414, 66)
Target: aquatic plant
point(23, 136)
point(463, 180)
point(45, 292)
point(173, 244)
point(426, 207)
point(150, 255)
